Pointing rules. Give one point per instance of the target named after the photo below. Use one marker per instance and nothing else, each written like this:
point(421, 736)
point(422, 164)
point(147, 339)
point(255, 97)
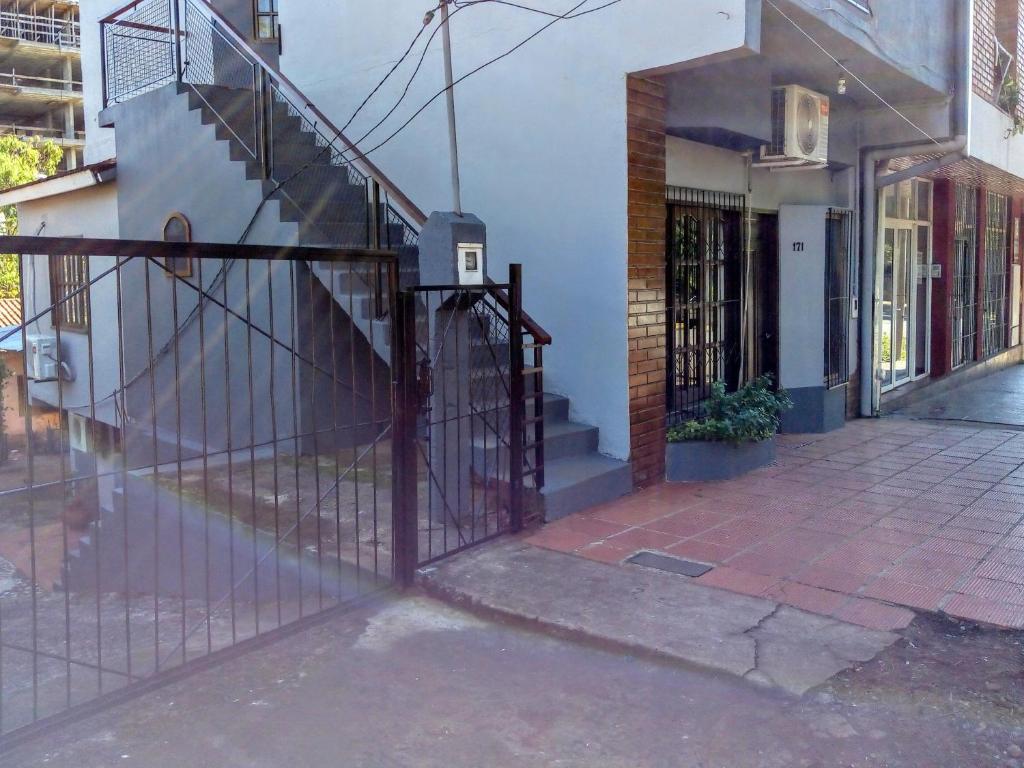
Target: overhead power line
point(851, 73)
point(337, 135)
point(567, 15)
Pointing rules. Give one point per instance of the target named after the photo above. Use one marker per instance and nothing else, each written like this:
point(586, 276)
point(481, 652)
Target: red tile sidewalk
point(861, 524)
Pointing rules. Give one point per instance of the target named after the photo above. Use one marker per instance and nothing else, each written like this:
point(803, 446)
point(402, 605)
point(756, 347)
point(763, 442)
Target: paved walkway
point(862, 524)
point(995, 399)
point(651, 613)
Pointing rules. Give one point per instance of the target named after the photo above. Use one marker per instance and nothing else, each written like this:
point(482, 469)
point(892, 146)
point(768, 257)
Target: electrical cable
point(567, 15)
point(330, 144)
point(467, 3)
point(851, 73)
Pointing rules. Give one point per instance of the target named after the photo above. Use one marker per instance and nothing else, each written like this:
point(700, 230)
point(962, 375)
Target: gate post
point(517, 406)
point(404, 502)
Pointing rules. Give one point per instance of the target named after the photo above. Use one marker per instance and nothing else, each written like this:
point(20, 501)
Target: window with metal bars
point(963, 306)
point(705, 255)
point(69, 292)
point(266, 20)
point(838, 296)
point(995, 317)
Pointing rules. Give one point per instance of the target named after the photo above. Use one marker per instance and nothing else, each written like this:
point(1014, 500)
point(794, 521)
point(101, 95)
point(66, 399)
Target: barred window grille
point(705, 248)
point(69, 292)
point(963, 307)
point(995, 318)
point(839, 290)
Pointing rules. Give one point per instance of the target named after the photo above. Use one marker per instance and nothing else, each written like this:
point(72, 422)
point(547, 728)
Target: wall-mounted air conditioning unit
point(799, 129)
point(42, 358)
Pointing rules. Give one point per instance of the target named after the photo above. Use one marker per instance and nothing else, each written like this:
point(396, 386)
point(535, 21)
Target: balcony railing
point(33, 81)
point(55, 134)
point(40, 29)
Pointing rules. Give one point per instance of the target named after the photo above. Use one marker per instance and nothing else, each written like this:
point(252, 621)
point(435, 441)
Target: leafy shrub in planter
point(750, 414)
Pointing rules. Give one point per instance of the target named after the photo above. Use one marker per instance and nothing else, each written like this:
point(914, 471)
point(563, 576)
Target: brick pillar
point(979, 314)
point(646, 210)
point(943, 243)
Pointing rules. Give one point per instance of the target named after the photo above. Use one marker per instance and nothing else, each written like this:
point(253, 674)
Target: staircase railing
point(151, 43)
point(148, 44)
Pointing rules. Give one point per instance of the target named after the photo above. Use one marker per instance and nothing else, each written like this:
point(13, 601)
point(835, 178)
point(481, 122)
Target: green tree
point(21, 161)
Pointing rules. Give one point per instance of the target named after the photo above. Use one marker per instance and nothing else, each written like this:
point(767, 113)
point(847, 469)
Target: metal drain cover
point(670, 564)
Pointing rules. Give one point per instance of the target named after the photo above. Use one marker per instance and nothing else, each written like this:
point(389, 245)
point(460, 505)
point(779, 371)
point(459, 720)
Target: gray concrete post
point(450, 326)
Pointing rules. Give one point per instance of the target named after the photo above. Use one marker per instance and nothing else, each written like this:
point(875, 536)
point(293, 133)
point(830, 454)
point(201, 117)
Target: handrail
point(532, 326)
point(419, 218)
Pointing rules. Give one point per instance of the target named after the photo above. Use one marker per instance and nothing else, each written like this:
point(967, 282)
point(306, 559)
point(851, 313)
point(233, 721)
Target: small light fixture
point(841, 85)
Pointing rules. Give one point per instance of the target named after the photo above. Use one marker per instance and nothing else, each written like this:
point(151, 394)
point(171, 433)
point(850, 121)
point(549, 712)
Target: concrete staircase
point(576, 475)
point(330, 207)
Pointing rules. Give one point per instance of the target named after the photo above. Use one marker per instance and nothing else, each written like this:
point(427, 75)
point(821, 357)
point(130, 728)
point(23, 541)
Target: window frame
point(180, 266)
point(69, 314)
point(273, 15)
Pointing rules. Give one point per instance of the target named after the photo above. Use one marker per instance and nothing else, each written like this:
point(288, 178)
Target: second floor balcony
point(44, 30)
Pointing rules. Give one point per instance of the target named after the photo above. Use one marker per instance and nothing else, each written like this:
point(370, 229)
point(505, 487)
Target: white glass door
point(897, 318)
point(905, 267)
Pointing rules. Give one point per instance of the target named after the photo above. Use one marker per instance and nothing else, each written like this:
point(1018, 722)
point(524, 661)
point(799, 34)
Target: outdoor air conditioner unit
point(42, 358)
point(799, 129)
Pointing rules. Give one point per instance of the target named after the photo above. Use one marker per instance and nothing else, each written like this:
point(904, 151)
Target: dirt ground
point(411, 682)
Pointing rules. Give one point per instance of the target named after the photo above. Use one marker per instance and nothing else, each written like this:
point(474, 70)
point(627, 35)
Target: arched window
point(178, 230)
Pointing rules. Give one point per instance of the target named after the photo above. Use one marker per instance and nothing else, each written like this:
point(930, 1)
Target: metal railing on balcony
point(33, 131)
point(40, 29)
point(16, 80)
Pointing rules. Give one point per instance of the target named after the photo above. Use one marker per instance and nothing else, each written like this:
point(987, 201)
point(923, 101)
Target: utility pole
point(453, 139)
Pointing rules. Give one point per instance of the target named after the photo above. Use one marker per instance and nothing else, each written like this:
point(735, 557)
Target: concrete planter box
point(700, 460)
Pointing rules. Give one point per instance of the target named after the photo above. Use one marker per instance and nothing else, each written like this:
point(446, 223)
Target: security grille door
point(963, 319)
point(704, 276)
point(995, 317)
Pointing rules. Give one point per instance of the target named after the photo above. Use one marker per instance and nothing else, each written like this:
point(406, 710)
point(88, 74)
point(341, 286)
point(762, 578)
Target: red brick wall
point(1002, 20)
point(984, 63)
point(646, 108)
point(943, 237)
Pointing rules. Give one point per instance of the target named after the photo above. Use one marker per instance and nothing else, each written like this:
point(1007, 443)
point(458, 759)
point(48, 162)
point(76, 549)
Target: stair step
point(575, 483)
point(556, 408)
point(561, 440)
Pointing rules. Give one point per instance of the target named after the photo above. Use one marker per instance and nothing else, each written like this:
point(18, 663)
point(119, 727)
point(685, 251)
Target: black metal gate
point(469, 419)
point(215, 444)
point(195, 456)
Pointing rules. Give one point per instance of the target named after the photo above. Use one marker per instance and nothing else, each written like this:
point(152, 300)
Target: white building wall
point(100, 145)
point(992, 140)
point(90, 212)
point(542, 141)
point(700, 166)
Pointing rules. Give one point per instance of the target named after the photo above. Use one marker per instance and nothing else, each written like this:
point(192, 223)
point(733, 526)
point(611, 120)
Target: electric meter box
point(453, 250)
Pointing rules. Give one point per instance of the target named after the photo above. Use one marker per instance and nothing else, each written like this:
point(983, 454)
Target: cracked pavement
point(652, 613)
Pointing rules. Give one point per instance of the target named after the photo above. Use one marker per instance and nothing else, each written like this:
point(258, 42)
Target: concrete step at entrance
point(561, 439)
point(575, 483)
